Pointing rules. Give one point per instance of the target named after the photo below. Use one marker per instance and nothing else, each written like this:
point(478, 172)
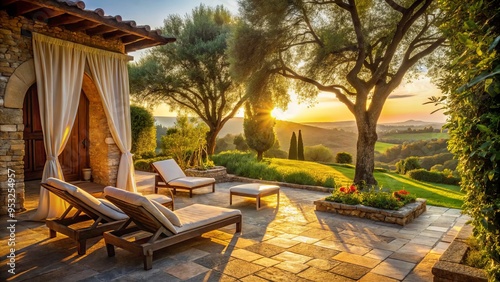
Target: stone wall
point(16, 49)
point(402, 216)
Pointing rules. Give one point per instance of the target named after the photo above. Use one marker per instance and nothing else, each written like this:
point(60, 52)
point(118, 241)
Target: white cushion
point(139, 200)
point(162, 199)
point(197, 215)
point(172, 217)
point(253, 188)
point(86, 198)
point(169, 169)
point(190, 182)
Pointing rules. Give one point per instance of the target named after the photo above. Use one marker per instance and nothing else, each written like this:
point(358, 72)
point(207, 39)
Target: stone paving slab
point(286, 242)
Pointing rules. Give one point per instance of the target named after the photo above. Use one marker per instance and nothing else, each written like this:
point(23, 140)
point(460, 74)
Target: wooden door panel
point(75, 155)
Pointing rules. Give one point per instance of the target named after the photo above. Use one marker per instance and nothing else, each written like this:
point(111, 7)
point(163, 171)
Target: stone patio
point(291, 242)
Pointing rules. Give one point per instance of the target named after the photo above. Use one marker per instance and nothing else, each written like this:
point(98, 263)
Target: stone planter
point(402, 216)
point(217, 172)
point(449, 268)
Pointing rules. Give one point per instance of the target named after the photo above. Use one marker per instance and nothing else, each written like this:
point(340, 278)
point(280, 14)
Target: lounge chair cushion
point(88, 199)
point(172, 217)
point(169, 169)
point(139, 200)
point(197, 215)
point(190, 182)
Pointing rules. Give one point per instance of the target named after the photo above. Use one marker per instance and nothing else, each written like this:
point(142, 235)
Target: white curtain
point(110, 75)
point(59, 75)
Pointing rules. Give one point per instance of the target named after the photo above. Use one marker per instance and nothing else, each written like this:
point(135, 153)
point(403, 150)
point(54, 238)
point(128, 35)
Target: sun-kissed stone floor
point(289, 242)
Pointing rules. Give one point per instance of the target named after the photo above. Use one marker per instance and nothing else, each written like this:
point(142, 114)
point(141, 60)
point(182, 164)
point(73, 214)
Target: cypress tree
point(300, 147)
point(292, 152)
point(258, 126)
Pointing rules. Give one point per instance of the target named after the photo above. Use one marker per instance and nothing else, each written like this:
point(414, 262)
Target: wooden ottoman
point(254, 190)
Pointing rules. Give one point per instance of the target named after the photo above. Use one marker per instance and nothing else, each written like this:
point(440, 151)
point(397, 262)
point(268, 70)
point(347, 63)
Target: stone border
point(449, 268)
point(217, 172)
point(402, 216)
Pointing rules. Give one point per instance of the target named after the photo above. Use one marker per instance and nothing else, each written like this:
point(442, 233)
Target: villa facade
point(26, 115)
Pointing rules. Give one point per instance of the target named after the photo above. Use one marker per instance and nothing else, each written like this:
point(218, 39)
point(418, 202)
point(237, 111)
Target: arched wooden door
point(76, 153)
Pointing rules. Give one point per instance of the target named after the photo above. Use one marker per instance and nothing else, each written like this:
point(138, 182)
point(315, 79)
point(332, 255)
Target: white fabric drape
point(59, 75)
point(110, 75)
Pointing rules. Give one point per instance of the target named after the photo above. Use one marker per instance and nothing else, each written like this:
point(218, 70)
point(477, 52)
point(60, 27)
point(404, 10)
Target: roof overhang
point(72, 16)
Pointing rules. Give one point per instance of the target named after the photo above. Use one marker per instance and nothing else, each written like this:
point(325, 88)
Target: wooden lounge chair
point(170, 175)
point(161, 226)
point(92, 217)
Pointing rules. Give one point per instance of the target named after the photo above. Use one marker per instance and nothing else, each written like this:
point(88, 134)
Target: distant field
point(414, 136)
point(436, 194)
point(381, 147)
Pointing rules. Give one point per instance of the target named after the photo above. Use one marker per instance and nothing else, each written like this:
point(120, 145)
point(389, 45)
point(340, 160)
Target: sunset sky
point(404, 103)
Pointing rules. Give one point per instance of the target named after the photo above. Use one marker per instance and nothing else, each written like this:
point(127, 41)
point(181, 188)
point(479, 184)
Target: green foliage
point(293, 151)
point(145, 164)
point(343, 158)
point(410, 163)
point(436, 194)
point(275, 153)
point(184, 139)
point(192, 75)
point(318, 153)
point(300, 147)
point(246, 164)
point(377, 198)
point(240, 143)
point(225, 143)
point(259, 127)
point(143, 130)
point(472, 88)
point(346, 49)
point(433, 176)
point(418, 149)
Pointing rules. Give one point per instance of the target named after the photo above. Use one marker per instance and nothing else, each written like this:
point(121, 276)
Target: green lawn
point(317, 170)
point(436, 194)
point(381, 147)
point(415, 136)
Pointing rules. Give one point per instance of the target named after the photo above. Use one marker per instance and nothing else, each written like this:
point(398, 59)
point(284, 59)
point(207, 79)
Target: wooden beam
point(64, 19)
point(84, 25)
point(146, 43)
point(115, 34)
point(21, 9)
point(6, 3)
point(101, 29)
point(131, 39)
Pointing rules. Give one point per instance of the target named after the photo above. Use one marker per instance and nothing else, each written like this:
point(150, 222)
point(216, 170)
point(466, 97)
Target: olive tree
point(192, 74)
point(359, 51)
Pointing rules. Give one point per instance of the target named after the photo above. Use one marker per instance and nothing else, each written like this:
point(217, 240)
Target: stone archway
point(19, 83)
point(104, 154)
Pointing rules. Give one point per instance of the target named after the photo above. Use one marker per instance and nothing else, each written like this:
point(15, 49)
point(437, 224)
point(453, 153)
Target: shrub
point(145, 164)
point(376, 198)
point(246, 165)
point(301, 177)
point(433, 176)
point(410, 163)
point(143, 131)
point(318, 153)
point(276, 153)
point(185, 138)
point(343, 158)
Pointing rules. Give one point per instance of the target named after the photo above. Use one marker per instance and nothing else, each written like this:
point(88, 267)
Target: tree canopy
point(359, 51)
point(192, 74)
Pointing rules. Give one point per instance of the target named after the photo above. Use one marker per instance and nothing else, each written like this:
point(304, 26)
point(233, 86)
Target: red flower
point(403, 192)
point(342, 189)
point(352, 189)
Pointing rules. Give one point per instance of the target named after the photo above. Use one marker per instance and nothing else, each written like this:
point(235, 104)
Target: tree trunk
point(211, 140)
point(365, 152)
point(259, 156)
